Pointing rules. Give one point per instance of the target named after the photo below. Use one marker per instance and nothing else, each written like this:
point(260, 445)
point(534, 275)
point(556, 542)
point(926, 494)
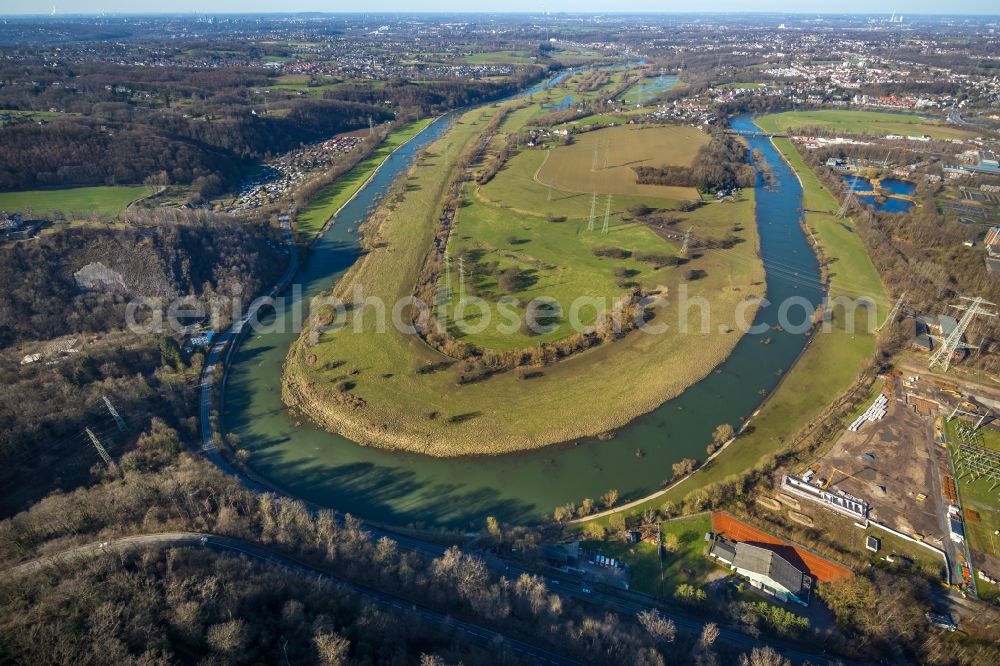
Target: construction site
point(920, 460)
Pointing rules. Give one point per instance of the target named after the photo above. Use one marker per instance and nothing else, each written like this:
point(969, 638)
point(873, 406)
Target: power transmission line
point(893, 312)
point(119, 421)
point(461, 278)
point(593, 210)
point(849, 199)
point(100, 448)
point(607, 214)
point(942, 356)
point(687, 242)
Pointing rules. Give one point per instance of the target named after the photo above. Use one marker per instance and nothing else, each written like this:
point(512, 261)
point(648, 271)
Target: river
point(402, 488)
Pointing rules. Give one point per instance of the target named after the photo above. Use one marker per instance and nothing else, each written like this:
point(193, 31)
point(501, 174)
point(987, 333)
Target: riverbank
point(827, 368)
point(388, 390)
point(399, 488)
point(321, 209)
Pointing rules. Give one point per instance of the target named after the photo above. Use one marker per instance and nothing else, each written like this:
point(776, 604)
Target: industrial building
point(764, 569)
point(838, 500)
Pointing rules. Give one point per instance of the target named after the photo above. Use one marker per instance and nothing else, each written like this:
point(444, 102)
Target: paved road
point(477, 633)
point(221, 351)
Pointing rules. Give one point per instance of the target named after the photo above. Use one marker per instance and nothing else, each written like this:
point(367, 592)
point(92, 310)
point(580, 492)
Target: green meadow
point(878, 123)
point(106, 201)
point(830, 364)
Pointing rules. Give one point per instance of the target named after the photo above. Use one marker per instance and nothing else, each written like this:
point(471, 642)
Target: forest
point(186, 603)
point(189, 126)
point(85, 353)
point(204, 255)
point(118, 144)
point(430, 97)
point(198, 605)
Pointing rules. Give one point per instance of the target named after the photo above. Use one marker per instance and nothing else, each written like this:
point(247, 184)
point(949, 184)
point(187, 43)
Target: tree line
point(161, 487)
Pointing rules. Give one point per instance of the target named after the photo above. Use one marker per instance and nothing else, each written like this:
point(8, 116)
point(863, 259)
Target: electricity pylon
point(443, 295)
point(593, 210)
point(848, 199)
point(461, 278)
point(114, 414)
point(893, 312)
point(607, 215)
point(687, 241)
point(100, 448)
point(949, 345)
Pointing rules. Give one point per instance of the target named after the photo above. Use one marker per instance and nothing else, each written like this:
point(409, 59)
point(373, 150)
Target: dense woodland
point(189, 126)
point(184, 604)
point(432, 96)
point(44, 310)
point(164, 607)
point(119, 144)
point(203, 256)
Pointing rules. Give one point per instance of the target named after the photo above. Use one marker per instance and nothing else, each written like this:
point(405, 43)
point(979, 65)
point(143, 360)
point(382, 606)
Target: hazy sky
point(340, 6)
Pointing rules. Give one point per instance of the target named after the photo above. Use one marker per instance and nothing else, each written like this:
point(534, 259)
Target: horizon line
point(486, 13)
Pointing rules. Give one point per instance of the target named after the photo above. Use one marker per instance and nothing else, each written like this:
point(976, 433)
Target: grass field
point(687, 564)
point(647, 89)
point(311, 219)
point(107, 201)
point(509, 223)
point(742, 86)
point(602, 161)
point(16, 115)
point(371, 386)
point(553, 259)
point(828, 366)
point(500, 58)
point(878, 123)
point(594, 119)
